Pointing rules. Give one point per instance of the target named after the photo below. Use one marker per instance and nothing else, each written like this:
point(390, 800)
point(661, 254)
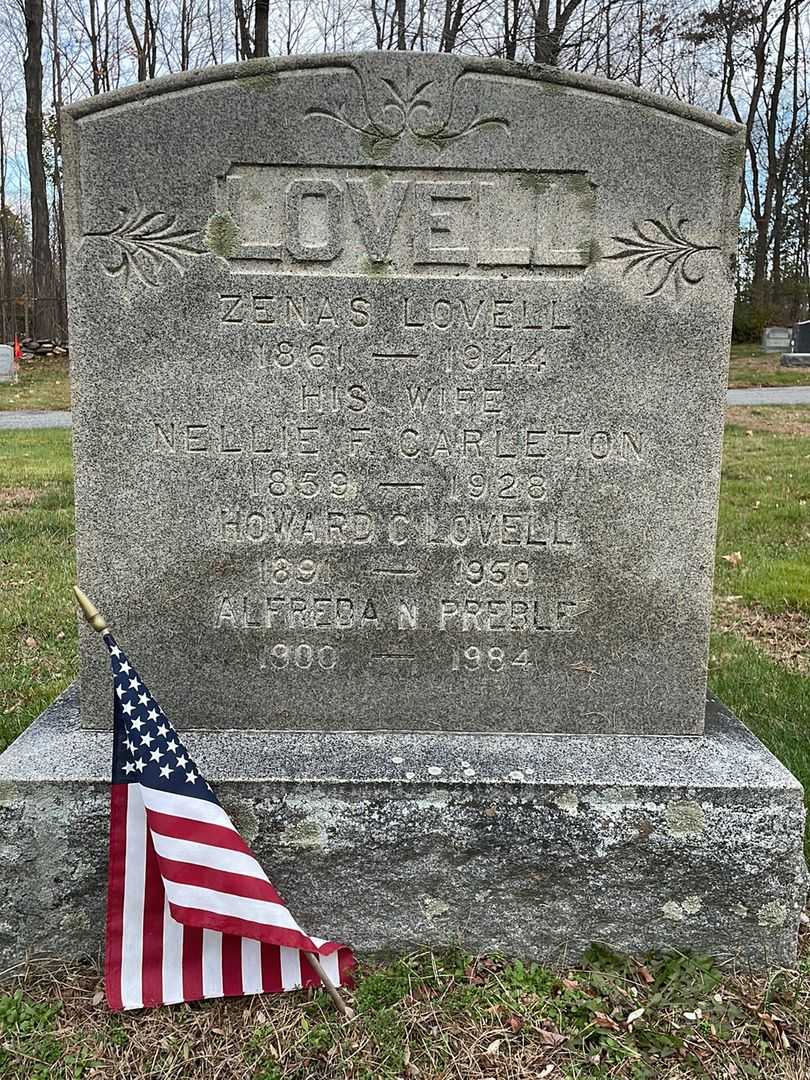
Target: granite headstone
point(398, 388)
point(799, 355)
point(776, 338)
point(8, 368)
point(800, 342)
point(419, 401)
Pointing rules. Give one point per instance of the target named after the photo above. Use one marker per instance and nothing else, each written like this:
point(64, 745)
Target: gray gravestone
point(800, 342)
point(776, 338)
point(421, 401)
point(8, 368)
point(416, 428)
point(799, 355)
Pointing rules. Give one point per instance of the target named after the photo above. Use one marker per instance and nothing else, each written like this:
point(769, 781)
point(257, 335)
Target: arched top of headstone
point(375, 71)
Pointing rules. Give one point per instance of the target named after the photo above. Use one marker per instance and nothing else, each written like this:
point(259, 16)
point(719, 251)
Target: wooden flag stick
point(329, 986)
point(99, 623)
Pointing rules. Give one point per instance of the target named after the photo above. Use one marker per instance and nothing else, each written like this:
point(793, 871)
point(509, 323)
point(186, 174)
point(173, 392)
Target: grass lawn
point(37, 623)
point(446, 1017)
point(44, 383)
point(751, 366)
point(431, 1017)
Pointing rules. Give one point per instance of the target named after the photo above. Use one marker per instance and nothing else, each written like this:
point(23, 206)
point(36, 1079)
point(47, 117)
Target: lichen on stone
point(222, 235)
point(772, 914)
point(685, 819)
point(568, 803)
point(306, 834)
point(679, 910)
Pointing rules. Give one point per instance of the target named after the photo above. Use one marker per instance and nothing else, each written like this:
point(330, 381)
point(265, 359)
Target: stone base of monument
point(795, 359)
point(534, 846)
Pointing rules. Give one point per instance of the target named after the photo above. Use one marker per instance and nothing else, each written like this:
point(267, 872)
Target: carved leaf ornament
point(408, 112)
point(147, 241)
point(662, 249)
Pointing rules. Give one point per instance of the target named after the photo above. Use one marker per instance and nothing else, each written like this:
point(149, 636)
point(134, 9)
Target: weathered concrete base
point(795, 359)
point(531, 845)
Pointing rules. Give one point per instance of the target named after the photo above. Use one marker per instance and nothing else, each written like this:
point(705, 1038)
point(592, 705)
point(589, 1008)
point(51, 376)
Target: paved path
point(770, 395)
point(32, 419)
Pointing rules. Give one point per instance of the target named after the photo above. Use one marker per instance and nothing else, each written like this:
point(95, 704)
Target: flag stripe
point(134, 880)
point(231, 965)
point(331, 965)
point(115, 896)
point(216, 858)
point(152, 954)
point(230, 924)
point(192, 962)
point(271, 916)
point(188, 873)
point(309, 976)
point(271, 968)
point(201, 832)
point(172, 957)
point(290, 968)
point(251, 966)
point(346, 965)
point(212, 964)
point(186, 806)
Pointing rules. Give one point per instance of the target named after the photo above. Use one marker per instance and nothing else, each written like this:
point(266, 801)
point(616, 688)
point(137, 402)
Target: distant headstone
point(801, 337)
point(799, 355)
point(776, 338)
point(8, 366)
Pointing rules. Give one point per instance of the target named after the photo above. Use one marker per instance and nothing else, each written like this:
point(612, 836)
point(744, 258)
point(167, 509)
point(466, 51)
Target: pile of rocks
point(32, 348)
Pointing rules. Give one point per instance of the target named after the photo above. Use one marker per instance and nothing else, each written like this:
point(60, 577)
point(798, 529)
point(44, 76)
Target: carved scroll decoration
point(147, 241)
point(407, 111)
point(663, 250)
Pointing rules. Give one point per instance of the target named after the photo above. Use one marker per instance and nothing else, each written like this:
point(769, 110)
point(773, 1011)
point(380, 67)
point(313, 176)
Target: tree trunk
point(511, 26)
point(399, 19)
point(9, 308)
point(40, 235)
point(59, 306)
point(139, 44)
point(453, 16)
point(244, 46)
point(262, 28)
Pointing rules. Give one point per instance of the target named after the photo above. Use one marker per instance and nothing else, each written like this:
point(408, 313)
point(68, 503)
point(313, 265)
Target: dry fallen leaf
point(570, 984)
point(549, 1038)
point(605, 1021)
point(646, 975)
point(31, 643)
point(493, 1048)
point(733, 559)
point(636, 1014)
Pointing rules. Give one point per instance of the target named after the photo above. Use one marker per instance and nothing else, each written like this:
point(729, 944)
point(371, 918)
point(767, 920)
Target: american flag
point(190, 912)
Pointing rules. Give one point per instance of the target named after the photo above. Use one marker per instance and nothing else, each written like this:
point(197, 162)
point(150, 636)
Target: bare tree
point(262, 27)
point(7, 307)
point(40, 232)
point(144, 40)
point(548, 26)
